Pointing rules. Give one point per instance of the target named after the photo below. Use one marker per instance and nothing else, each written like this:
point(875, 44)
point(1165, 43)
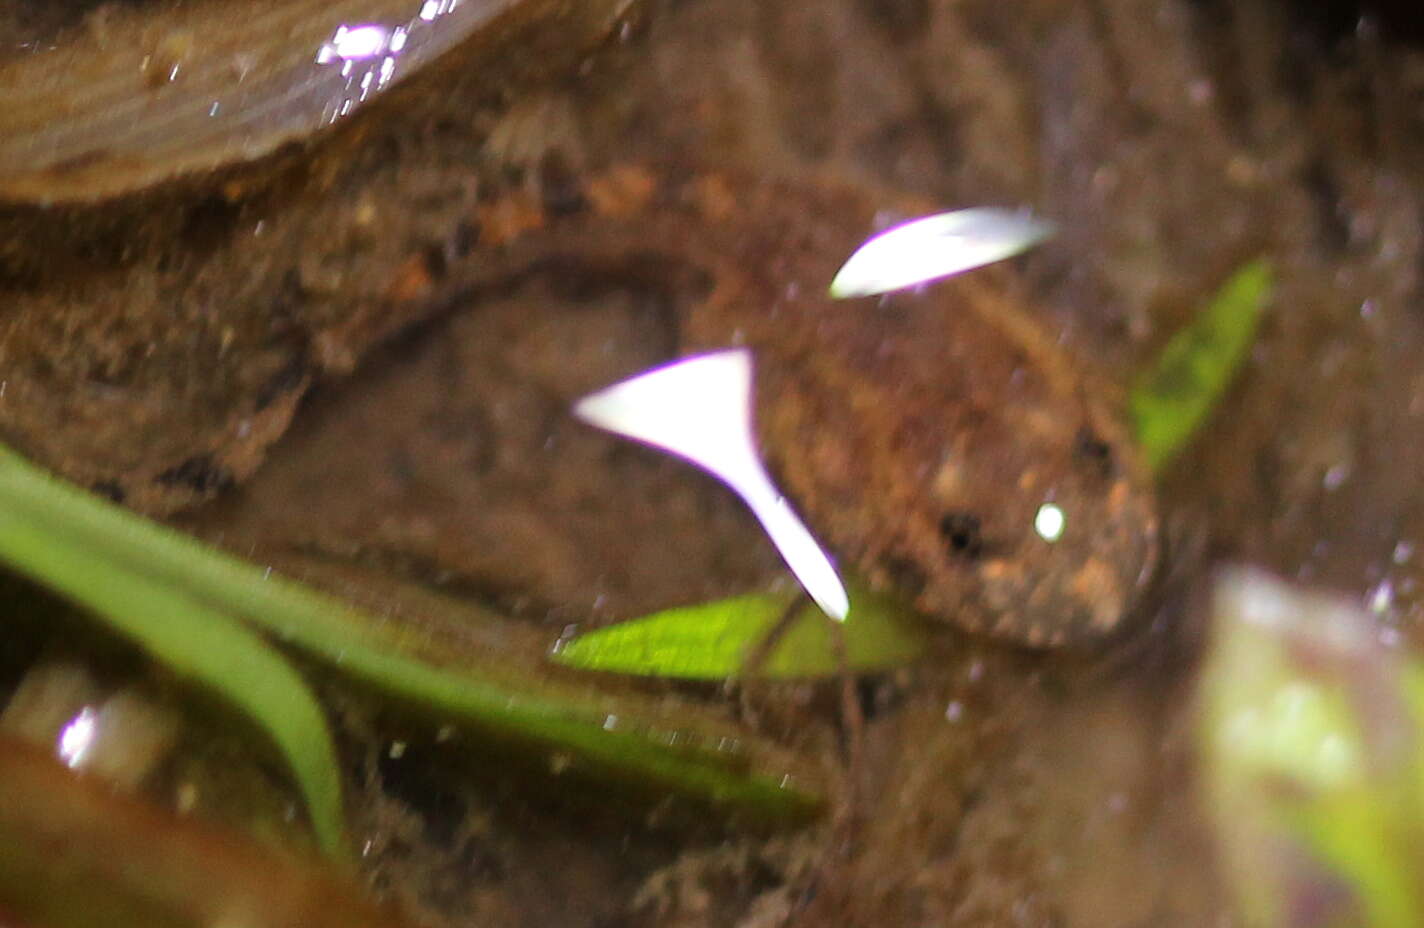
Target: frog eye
point(962, 533)
point(1092, 450)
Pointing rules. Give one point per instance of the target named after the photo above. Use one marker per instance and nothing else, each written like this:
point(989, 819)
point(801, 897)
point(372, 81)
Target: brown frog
point(939, 441)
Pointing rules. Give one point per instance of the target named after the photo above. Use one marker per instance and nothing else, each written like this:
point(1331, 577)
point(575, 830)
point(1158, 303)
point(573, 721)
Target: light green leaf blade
point(201, 643)
point(712, 641)
point(1178, 392)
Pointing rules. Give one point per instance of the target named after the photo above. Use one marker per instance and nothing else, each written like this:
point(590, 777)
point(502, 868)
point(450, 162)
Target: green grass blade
point(711, 641)
point(198, 642)
point(667, 755)
point(1178, 392)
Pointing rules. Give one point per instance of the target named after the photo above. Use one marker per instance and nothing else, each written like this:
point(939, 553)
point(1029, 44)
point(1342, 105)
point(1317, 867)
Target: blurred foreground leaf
point(711, 641)
point(150, 581)
point(182, 632)
point(1179, 391)
point(1313, 759)
point(73, 854)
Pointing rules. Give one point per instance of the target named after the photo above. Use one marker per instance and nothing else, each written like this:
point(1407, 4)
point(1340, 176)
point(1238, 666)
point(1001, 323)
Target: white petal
point(700, 408)
point(937, 246)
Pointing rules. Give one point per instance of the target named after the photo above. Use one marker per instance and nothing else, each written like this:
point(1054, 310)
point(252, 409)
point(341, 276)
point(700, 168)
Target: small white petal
point(937, 246)
point(798, 547)
point(700, 408)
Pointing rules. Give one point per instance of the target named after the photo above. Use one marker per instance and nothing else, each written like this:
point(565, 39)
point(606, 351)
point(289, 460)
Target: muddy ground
point(1170, 140)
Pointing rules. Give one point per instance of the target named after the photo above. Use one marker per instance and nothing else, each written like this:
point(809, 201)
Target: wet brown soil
point(1170, 140)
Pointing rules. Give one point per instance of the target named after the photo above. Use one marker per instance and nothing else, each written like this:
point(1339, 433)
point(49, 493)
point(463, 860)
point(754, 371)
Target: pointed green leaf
point(1178, 392)
point(712, 641)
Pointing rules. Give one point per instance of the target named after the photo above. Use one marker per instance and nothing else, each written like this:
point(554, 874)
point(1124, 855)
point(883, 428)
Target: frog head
point(951, 450)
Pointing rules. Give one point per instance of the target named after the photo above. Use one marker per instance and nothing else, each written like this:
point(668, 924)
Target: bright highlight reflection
point(366, 53)
point(77, 737)
point(700, 409)
point(355, 43)
point(1050, 522)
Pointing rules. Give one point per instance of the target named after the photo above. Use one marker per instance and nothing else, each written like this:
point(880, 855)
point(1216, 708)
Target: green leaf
point(1189, 377)
point(712, 641)
point(196, 641)
point(689, 755)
